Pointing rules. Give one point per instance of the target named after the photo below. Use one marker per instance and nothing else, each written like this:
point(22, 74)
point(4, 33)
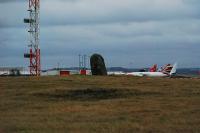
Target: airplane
point(116, 73)
point(167, 71)
point(152, 69)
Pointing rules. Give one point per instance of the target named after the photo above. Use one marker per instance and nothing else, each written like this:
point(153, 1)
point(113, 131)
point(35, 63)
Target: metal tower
point(34, 29)
point(82, 62)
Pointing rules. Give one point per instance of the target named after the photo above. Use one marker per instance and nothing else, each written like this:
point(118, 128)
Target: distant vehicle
point(4, 74)
point(166, 71)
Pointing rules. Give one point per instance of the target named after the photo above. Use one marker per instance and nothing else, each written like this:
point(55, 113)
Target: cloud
point(87, 12)
point(109, 11)
point(12, 14)
point(142, 32)
point(8, 1)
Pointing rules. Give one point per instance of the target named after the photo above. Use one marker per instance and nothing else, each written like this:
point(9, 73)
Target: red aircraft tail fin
point(154, 68)
point(167, 69)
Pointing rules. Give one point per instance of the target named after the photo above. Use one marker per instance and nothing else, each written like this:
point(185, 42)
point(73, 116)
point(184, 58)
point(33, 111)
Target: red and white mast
point(34, 30)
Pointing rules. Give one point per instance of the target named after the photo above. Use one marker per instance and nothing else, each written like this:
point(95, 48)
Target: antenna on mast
point(34, 29)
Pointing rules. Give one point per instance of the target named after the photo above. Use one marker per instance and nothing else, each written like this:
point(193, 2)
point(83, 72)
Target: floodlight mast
point(34, 31)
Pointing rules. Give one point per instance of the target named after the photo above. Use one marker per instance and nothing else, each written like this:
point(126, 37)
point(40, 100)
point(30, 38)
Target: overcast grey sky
point(128, 33)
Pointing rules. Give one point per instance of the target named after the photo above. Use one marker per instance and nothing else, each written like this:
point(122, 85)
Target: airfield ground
point(81, 104)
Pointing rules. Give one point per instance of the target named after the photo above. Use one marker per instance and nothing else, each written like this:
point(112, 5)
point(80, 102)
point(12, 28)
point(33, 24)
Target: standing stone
point(97, 65)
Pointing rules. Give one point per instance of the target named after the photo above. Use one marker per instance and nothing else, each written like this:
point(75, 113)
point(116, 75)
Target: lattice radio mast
point(34, 29)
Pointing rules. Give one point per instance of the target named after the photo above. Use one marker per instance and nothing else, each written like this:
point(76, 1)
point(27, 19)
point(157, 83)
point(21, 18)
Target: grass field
point(82, 104)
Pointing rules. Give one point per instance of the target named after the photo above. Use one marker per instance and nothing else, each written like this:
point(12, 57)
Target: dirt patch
point(94, 94)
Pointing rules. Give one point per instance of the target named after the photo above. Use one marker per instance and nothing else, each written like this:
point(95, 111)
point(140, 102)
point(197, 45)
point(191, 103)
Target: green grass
point(99, 104)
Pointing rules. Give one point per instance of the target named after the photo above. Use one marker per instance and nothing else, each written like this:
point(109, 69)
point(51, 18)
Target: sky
point(127, 33)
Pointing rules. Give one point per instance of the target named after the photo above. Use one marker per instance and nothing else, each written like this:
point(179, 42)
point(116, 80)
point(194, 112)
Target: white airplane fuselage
point(148, 74)
point(166, 72)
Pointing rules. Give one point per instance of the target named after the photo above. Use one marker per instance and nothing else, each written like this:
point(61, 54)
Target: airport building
point(12, 71)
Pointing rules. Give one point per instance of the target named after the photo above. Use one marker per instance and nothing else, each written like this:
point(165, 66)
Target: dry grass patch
point(99, 104)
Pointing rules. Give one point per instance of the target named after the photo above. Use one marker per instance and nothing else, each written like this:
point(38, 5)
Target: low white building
point(15, 71)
